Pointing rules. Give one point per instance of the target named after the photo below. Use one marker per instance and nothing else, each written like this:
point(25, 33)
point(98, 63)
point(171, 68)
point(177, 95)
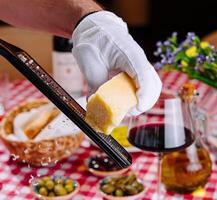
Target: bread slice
point(39, 120)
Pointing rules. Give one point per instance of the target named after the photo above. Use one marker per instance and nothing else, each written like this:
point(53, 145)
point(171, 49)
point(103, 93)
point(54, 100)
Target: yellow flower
point(204, 45)
point(184, 63)
point(191, 52)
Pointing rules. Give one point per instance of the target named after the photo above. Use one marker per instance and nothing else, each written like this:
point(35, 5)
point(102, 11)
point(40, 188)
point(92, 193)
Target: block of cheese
point(111, 102)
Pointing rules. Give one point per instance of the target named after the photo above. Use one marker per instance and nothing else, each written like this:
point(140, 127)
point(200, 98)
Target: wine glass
point(167, 127)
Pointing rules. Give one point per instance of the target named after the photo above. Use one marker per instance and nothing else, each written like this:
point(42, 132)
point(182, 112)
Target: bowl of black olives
point(101, 165)
point(122, 187)
point(54, 188)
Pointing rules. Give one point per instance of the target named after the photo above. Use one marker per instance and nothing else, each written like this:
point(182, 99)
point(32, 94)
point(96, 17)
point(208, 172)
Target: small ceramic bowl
point(104, 173)
point(110, 197)
point(64, 197)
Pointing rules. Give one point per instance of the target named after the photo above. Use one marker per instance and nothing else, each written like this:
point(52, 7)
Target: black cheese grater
point(56, 94)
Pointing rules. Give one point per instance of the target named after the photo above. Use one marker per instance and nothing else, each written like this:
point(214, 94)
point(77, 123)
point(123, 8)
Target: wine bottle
point(186, 170)
point(65, 68)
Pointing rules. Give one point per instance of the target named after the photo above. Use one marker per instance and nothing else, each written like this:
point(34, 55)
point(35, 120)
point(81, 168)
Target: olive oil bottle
point(186, 170)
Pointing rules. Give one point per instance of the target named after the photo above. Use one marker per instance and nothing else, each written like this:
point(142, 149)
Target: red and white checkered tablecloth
point(15, 177)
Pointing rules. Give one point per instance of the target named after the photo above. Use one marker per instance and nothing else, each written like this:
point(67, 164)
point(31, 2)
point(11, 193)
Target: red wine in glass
point(167, 127)
point(160, 137)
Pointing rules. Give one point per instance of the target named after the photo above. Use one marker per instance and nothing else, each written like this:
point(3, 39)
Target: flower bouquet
point(192, 56)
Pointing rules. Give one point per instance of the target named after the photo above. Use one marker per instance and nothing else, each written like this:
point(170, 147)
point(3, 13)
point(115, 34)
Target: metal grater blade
point(115, 146)
point(56, 94)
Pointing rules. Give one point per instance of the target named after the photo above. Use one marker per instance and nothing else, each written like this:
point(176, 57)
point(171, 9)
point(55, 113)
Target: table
point(15, 177)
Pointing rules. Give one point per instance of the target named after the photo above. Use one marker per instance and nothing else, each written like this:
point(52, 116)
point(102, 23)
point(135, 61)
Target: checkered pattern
point(15, 177)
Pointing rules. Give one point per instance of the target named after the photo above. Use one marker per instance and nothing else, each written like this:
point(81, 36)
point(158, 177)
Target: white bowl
point(64, 197)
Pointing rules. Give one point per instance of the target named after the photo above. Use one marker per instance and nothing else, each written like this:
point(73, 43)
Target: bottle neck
point(62, 44)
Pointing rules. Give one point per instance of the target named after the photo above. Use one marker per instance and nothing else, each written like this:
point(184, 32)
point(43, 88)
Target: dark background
point(166, 16)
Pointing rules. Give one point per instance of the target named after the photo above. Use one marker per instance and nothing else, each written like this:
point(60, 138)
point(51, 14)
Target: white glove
point(102, 44)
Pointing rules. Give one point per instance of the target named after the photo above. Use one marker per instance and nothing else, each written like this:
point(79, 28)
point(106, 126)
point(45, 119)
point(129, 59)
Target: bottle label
point(67, 73)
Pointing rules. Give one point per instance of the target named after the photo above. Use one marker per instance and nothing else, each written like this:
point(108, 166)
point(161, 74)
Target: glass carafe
point(186, 170)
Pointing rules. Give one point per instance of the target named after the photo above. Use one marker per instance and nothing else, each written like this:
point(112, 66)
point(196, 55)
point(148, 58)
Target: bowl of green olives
point(123, 187)
point(54, 188)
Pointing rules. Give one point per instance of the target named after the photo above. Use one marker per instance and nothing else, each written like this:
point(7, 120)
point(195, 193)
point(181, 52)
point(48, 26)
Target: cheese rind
point(111, 102)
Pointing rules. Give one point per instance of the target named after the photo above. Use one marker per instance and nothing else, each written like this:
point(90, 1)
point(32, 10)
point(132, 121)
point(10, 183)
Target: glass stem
point(159, 175)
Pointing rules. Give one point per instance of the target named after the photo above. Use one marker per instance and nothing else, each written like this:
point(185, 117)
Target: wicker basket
point(38, 153)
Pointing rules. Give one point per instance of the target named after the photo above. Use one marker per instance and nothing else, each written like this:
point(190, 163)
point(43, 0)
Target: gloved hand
point(101, 44)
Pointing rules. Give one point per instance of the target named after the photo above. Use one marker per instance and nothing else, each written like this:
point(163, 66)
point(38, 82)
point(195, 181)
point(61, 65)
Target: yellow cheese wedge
point(111, 102)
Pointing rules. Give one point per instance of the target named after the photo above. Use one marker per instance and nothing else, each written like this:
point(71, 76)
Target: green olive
point(40, 183)
point(46, 178)
point(140, 187)
point(119, 193)
point(49, 184)
point(115, 178)
point(135, 184)
point(121, 182)
point(60, 181)
point(130, 190)
point(59, 190)
point(43, 191)
point(69, 188)
point(130, 179)
point(69, 181)
point(51, 194)
point(112, 182)
point(108, 188)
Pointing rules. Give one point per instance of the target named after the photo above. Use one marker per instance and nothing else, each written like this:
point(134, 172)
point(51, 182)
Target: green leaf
point(192, 62)
point(206, 51)
point(206, 80)
point(196, 40)
point(207, 65)
point(173, 40)
point(172, 47)
point(181, 56)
